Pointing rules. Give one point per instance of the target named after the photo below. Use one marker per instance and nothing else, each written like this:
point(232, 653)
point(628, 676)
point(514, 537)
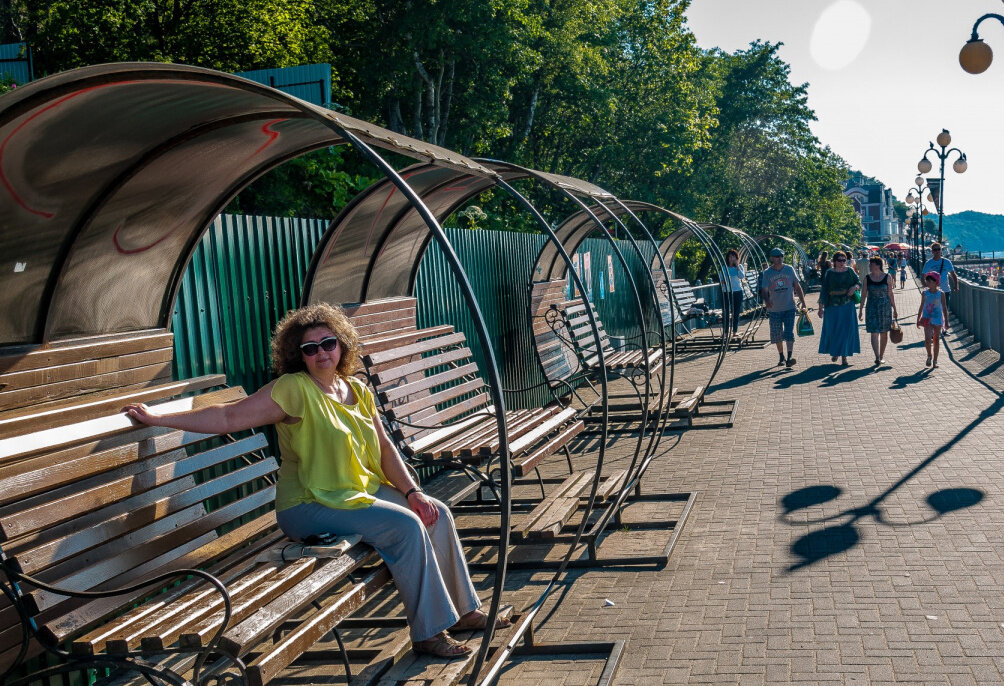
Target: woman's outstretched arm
point(255, 410)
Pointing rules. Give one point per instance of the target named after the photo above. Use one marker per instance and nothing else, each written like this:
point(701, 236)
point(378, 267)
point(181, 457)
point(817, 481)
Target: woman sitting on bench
point(341, 474)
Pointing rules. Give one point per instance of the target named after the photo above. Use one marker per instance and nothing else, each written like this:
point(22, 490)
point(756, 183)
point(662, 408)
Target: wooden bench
point(90, 501)
point(439, 409)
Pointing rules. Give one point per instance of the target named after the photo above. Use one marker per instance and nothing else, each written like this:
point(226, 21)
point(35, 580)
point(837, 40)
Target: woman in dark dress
point(839, 337)
point(878, 306)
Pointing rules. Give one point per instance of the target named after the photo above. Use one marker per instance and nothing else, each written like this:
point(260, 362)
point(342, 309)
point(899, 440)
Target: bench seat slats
point(210, 548)
point(282, 654)
point(246, 603)
point(124, 633)
point(240, 638)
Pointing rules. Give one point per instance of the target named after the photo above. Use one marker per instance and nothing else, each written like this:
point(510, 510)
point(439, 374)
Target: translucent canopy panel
point(109, 175)
point(372, 250)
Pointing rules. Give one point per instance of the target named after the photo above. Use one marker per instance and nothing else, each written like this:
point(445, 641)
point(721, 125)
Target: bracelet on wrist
point(416, 489)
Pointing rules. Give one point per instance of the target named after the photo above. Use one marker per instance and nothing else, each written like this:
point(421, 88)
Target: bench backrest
point(54, 378)
point(425, 377)
point(550, 332)
point(581, 333)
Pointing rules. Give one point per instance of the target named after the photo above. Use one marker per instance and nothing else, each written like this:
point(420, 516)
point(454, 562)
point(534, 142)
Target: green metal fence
point(248, 271)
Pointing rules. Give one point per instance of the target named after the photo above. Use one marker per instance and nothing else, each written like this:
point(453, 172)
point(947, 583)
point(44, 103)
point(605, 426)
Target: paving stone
point(844, 507)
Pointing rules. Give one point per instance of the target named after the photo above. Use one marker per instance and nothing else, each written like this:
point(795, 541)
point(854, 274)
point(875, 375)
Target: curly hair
point(730, 253)
point(841, 254)
point(286, 355)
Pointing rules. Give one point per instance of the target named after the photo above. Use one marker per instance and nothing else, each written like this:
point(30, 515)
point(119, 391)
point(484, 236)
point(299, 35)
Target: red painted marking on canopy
point(271, 133)
point(3, 147)
point(133, 251)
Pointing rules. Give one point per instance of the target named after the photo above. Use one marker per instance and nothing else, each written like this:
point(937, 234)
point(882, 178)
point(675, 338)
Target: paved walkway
point(849, 529)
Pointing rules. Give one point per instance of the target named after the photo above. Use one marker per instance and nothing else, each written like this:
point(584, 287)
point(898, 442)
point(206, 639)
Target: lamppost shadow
point(838, 538)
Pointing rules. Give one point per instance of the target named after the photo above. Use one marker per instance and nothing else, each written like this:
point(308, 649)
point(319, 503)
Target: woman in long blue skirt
point(839, 337)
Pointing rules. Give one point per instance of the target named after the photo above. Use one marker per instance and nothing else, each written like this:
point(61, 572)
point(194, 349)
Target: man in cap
point(778, 286)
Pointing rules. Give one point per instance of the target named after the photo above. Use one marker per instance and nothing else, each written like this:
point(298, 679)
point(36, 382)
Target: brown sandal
point(479, 622)
point(441, 645)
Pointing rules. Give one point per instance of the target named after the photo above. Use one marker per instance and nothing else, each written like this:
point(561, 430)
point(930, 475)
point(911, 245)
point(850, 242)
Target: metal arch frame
point(673, 243)
point(571, 243)
point(576, 234)
point(753, 250)
point(329, 122)
point(485, 672)
point(801, 252)
point(565, 187)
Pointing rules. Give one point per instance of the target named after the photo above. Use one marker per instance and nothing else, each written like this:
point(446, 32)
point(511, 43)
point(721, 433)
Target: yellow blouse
point(332, 455)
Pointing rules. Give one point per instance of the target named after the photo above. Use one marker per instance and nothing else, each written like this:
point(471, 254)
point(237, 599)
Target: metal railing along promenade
point(980, 309)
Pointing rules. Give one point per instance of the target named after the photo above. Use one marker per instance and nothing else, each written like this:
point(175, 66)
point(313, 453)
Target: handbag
point(804, 324)
point(896, 333)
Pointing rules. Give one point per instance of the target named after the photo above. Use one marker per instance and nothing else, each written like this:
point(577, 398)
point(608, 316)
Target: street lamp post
point(924, 166)
point(915, 213)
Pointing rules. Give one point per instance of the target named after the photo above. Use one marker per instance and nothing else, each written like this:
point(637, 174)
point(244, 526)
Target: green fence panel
point(245, 274)
point(248, 271)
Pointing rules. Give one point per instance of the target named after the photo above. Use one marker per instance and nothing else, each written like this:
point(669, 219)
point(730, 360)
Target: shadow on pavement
point(747, 378)
point(807, 375)
point(832, 540)
point(905, 380)
point(852, 374)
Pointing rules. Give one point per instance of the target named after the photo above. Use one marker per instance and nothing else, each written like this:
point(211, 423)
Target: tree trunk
point(448, 100)
point(394, 120)
point(416, 115)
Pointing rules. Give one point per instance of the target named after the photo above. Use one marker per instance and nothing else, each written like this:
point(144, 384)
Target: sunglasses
point(326, 344)
point(840, 259)
point(935, 249)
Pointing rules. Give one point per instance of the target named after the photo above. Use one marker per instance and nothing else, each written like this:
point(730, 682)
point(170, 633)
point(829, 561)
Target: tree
point(229, 35)
point(764, 170)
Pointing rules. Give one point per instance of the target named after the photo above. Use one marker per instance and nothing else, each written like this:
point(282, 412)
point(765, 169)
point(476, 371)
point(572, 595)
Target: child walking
point(933, 316)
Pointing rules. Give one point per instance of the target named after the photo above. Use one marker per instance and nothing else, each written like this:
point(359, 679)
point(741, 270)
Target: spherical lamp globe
point(960, 166)
point(944, 138)
point(919, 181)
point(924, 166)
point(976, 56)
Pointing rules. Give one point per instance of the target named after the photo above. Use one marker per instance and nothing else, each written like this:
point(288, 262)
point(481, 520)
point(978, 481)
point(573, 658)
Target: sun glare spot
point(840, 34)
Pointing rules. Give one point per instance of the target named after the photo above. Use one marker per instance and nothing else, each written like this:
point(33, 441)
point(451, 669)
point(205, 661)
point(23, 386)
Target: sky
point(884, 79)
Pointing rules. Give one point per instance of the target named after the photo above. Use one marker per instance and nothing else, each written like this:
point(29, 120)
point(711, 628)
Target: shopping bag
point(896, 333)
point(804, 325)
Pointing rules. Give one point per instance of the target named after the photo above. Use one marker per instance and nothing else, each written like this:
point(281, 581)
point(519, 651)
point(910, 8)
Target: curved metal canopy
point(110, 174)
point(373, 248)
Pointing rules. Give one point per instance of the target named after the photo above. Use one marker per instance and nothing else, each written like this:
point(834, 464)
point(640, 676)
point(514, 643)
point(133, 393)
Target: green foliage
point(7, 84)
point(318, 184)
point(229, 35)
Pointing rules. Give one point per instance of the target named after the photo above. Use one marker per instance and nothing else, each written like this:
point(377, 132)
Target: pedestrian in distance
point(823, 264)
point(902, 271)
point(932, 316)
point(945, 269)
point(879, 304)
point(839, 337)
point(734, 278)
point(778, 287)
